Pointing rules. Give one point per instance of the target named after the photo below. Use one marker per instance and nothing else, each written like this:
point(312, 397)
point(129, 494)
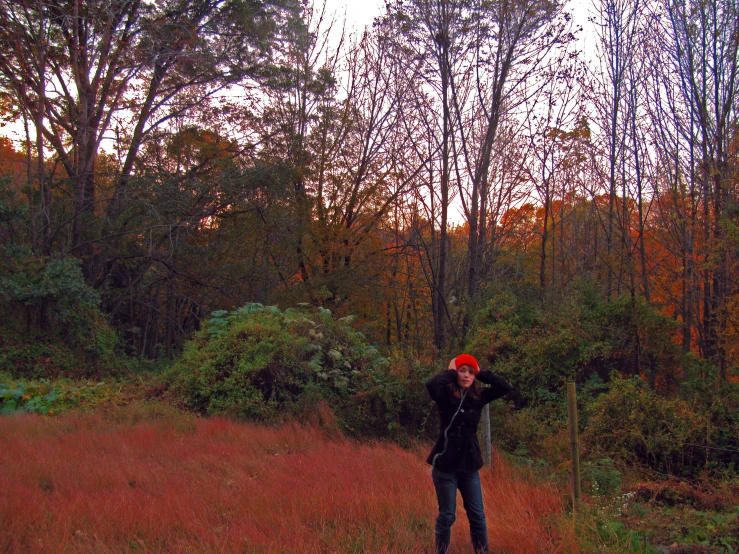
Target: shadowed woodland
point(183, 157)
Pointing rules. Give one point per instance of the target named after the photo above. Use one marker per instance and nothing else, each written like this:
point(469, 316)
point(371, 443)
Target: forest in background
point(239, 208)
point(458, 176)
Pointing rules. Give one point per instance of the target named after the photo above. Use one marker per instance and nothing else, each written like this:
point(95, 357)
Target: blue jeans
point(446, 485)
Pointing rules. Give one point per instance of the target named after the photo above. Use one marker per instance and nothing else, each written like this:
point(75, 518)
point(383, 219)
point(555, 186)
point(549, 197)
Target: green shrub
point(257, 361)
point(51, 320)
point(392, 402)
point(537, 343)
point(33, 356)
point(634, 424)
point(642, 402)
point(535, 432)
point(22, 399)
point(51, 397)
point(718, 400)
point(600, 477)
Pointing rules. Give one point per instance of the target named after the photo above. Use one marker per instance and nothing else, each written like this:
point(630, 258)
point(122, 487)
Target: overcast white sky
point(360, 13)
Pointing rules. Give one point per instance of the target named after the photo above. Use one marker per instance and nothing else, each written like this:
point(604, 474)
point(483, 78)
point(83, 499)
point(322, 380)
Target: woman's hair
point(457, 390)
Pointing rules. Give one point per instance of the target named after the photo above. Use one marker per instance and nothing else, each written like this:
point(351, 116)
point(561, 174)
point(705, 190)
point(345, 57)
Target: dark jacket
point(463, 451)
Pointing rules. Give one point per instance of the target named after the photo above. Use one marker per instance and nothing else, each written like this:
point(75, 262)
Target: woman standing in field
point(456, 457)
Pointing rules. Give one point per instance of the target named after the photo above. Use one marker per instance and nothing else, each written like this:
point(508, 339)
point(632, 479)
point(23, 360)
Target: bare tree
point(618, 24)
point(512, 42)
point(700, 77)
point(432, 39)
point(554, 130)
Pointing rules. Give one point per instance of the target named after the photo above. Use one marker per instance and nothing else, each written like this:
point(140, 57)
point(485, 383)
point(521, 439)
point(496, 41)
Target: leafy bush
point(47, 397)
point(49, 312)
point(34, 356)
point(718, 400)
point(634, 424)
point(539, 343)
point(535, 433)
point(600, 477)
point(259, 360)
point(21, 399)
point(642, 402)
point(392, 402)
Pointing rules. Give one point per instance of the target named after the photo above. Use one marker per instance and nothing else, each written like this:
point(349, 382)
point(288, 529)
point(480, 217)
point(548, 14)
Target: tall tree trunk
point(639, 196)
point(44, 195)
point(544, 238)
point(29, 186)
point(440, 289)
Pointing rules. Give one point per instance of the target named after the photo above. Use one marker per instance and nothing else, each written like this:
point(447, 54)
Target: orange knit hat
point(467, 359)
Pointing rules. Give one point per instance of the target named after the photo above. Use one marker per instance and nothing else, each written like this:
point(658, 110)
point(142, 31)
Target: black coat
point(463, 451)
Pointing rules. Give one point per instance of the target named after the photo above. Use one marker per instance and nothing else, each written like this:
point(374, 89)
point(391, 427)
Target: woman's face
point(465, 376)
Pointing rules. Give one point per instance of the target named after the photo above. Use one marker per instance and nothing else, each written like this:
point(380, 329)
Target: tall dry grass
point(145, 479)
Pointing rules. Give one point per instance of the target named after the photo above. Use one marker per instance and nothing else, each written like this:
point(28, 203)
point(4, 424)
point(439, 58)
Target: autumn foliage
point(143, 478)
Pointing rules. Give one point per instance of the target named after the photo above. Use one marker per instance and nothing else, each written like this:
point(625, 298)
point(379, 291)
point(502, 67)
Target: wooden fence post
point(574, 447)
point(487, 451)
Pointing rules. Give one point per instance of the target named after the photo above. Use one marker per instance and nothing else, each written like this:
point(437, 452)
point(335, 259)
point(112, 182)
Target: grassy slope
point(145, 478)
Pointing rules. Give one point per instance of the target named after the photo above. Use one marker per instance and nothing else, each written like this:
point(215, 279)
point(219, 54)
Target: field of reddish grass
point(144, 479)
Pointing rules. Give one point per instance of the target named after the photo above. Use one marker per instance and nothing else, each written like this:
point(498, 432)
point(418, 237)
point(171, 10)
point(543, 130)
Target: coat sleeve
point(498, 387)
point(439, 382)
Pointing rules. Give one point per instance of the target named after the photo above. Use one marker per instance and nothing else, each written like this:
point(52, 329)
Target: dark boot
point(442, 541)
point(480, 542)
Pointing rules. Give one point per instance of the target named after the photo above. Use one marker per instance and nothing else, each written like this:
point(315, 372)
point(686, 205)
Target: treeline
point(188, 156)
